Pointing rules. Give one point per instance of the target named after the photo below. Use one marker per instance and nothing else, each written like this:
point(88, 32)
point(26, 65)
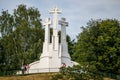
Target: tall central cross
point(55, 39)
point(55, 11)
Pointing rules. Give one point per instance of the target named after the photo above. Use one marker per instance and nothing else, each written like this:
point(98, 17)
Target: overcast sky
point(76, 12)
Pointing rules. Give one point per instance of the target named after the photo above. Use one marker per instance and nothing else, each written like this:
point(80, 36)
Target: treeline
point(21, 37)
point(98, 46)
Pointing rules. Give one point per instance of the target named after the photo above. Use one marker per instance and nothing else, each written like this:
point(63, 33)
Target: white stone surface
point(65, 57)
point(55, 40)
point(54, 54)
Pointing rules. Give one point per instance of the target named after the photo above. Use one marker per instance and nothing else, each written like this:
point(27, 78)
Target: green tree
point(98, 45)
point(71, 45)
point(6, 23)
point(6, 29)
point(21, 37)
point(28, 33)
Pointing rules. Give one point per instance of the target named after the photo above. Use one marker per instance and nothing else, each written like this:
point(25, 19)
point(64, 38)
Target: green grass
point(41, 76)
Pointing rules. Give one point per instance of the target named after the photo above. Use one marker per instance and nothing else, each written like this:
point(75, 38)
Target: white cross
point(55, 11)
point(63, 22)
point(47, 22)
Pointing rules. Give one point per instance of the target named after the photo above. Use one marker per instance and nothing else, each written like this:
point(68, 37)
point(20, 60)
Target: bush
point(57, 76)
point(75, 73)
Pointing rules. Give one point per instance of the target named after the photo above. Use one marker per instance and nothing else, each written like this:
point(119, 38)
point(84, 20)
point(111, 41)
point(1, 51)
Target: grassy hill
point(45, 76)
point(42, 76)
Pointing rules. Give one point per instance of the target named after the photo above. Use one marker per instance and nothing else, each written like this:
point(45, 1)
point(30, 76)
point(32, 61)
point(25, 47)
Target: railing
point(20, 72)
point(41, 70)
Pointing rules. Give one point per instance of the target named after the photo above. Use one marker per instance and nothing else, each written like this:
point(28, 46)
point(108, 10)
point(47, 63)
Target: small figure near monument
point(22, 69)
point(63, 65)
point(25, 69)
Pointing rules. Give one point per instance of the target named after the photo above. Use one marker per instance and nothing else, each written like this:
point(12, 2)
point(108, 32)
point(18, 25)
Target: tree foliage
point(76, 73)
point(99, 45)
point(21, 37)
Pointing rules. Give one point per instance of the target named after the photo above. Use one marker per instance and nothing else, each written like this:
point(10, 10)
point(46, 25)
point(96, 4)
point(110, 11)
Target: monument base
point(35, 67)
point(51, 61)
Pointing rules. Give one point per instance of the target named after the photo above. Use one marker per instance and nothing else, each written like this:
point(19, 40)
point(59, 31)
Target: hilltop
point(41, 76)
